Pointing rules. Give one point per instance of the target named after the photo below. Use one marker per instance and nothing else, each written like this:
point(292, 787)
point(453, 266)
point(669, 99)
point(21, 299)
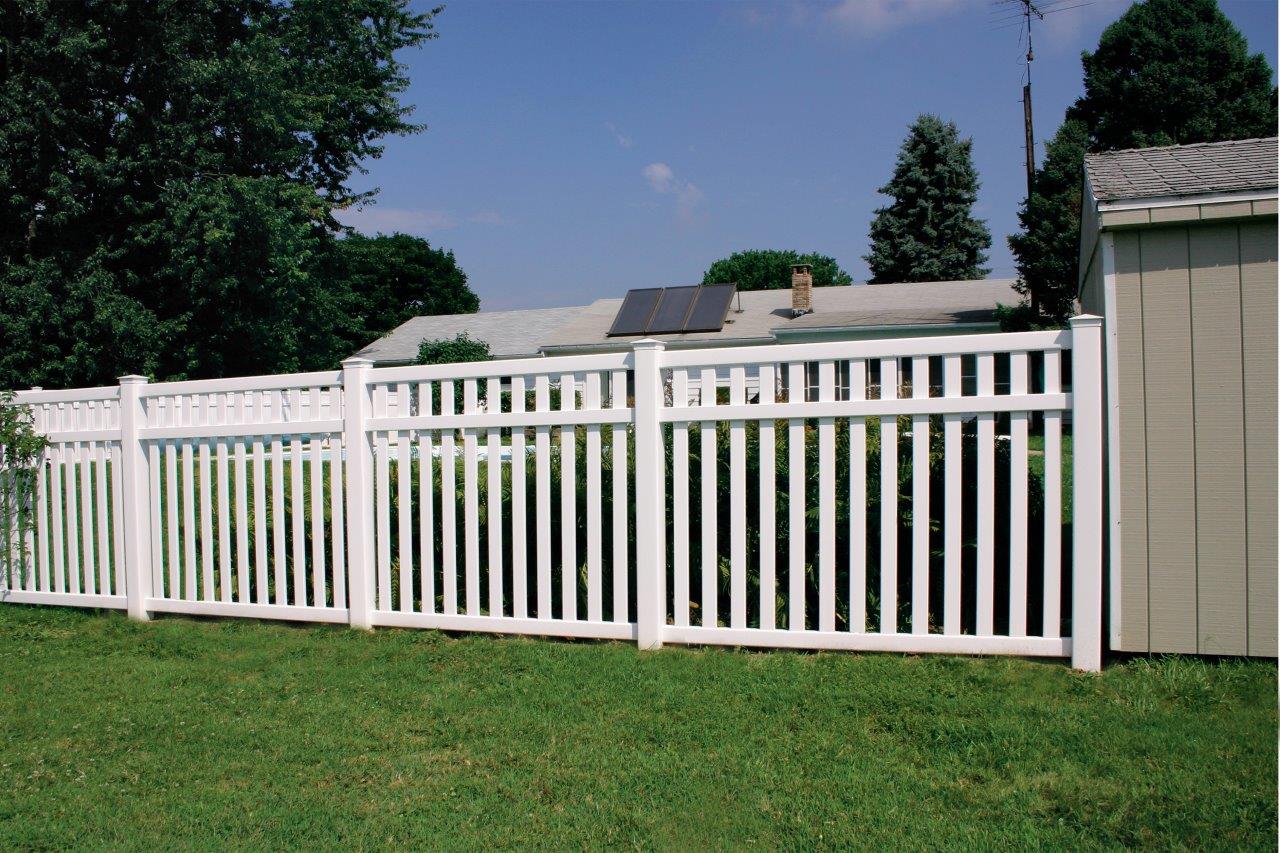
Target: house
point(792, 315)
point(1178, 254)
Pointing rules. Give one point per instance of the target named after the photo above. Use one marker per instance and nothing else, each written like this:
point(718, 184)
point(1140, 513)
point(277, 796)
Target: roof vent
point(673, 310)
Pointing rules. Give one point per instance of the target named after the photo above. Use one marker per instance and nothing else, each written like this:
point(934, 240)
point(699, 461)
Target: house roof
point(509, 334)
point(758, 316)
point(1183, 170)
point(761, 315)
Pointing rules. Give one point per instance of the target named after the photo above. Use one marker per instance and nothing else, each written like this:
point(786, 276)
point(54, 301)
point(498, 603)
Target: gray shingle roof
point(1183, 170)
point(765, 314)
point(509, 334)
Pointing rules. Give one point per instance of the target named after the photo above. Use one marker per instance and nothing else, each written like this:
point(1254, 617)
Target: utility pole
point(1028, 10)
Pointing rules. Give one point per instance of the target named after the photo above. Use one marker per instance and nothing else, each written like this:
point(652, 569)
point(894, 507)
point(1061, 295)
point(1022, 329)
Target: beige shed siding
point(1171, 505)
point(1091, 295)
point(1196, 318)
point(1133, 443)
point(1258, 314)
point(1219, 439)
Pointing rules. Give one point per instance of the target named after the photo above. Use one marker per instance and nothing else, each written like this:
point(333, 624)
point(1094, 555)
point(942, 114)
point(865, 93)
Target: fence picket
point(986, 499)
point(404, 518)
point(189, 567)
point(858, 502)
point(297, 516)
point(519, 518)
point(768, 509)
point(277, 521)
point(448, 506)
point(542, 446)
point(737, 502)
point(920, 500)
point(242, 524)
point(795, 502)
point(709, 510)
point(1052, 501)
point(319, 585)
point(224, 524)
point(953, 531)
point(336, 528)
point(618, 461)
point(426, 508)
point(1018, 374)
point(680, 500)
point(493, 501)
point(888, 501)
point(86, 519)
point(826, 501)
point(471, 501)
point(55, 484)
point(568, 504)
point(73, 518)
point(42, 522)
point(595, 592)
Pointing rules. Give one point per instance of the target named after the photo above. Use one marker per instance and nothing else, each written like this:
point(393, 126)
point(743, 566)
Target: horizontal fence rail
point(912, 495)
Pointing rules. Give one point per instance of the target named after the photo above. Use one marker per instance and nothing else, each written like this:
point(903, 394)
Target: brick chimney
point(801, 289)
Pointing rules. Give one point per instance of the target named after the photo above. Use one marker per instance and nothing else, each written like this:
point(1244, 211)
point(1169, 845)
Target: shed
point(1178, 254)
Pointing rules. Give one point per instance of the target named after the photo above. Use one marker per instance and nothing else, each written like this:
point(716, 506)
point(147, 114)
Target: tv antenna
point(1027, 12)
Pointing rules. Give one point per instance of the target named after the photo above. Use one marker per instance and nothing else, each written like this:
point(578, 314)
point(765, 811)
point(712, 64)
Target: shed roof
point(1183, 170)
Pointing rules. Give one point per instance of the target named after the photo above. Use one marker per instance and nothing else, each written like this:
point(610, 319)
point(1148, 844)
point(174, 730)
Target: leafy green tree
point(170, 173)
point(388, 279)
point(770, 269)
point(454, 350)
point(1167, 72)
point(928, 233)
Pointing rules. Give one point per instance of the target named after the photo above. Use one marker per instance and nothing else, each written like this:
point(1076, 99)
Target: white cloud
point(487, 217)
point(622, 139)
point(662, 180)
point(876, 17)
point(688, 199)
point(660, 177)
point(375, 219)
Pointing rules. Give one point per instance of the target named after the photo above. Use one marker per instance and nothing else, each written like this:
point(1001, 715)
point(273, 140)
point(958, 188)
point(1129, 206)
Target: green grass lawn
point(237, 733)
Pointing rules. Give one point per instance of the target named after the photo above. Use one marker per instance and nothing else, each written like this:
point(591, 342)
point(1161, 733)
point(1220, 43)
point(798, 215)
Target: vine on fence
point(21, 449)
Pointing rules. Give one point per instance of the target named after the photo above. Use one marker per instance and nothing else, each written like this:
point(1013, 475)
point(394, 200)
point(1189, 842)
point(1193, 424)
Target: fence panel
point(921, 508)
point(246, 479)
point(60, 542)
point(452, 447)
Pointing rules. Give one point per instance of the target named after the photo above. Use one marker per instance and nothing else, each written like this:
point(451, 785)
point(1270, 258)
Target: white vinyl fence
point(912, 495)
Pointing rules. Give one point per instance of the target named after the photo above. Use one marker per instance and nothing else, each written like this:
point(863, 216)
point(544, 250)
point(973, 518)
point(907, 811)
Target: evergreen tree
point(770, 269)
point(1048, 246)
point(170, 174)
point(1167, 72)
point(928, 232)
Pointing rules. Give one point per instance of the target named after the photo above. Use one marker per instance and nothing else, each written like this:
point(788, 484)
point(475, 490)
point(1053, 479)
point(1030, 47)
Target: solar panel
point(710, 308)
point(637, 307)
point(672, 310)
point(668, 318)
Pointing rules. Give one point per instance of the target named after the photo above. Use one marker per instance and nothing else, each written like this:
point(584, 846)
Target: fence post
point(355, 408)
point(1086, 496)
point(134, 498)
point(651, 522)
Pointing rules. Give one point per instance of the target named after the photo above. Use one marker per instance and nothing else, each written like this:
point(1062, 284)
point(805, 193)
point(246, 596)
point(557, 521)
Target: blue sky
point(575, 150)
